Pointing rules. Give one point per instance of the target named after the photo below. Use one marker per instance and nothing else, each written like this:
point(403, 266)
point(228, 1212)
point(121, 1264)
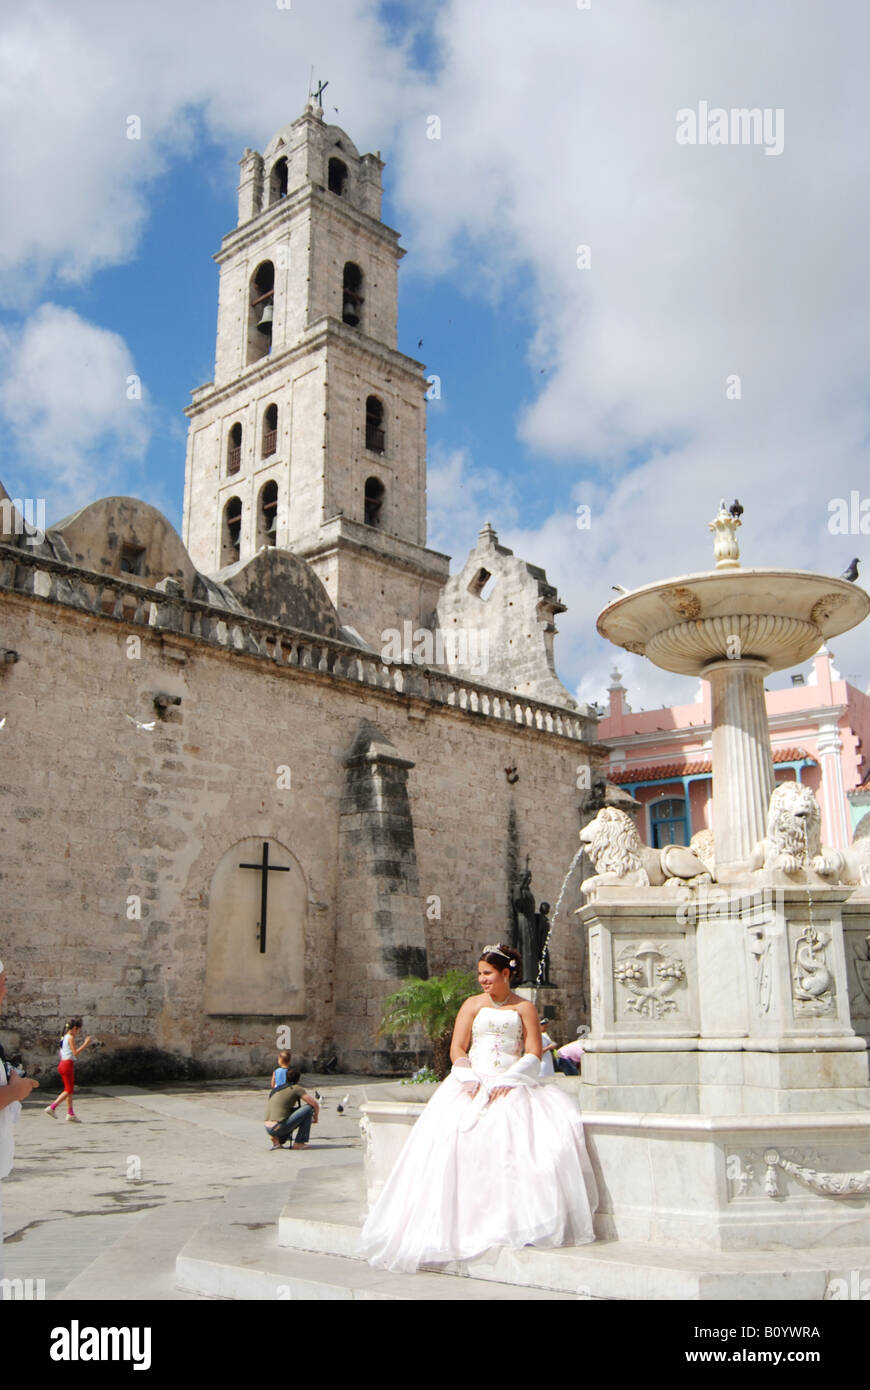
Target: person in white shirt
point(67, 1067)
point(547, 1067)
point(13, 1090)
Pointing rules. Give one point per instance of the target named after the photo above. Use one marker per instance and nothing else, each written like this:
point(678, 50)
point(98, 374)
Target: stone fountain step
point(327, 1223)
point(236, 1255)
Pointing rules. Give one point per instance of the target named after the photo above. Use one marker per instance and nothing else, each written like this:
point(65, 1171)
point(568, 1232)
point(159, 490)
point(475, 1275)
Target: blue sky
point(561, 385)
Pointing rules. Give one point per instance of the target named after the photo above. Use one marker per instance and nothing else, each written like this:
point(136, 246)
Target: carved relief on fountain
point(650, 975)
point(782, 1173)
point(857, 941)
point(813, 985)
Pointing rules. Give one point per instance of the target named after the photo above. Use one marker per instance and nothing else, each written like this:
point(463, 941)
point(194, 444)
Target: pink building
point(818, 728)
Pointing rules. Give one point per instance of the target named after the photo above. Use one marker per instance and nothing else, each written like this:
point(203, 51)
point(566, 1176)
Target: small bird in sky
point(419, 342)
point(342, 1104)
point(139, 725)
point(852, 572)
point(618, 588)
point(735, 509)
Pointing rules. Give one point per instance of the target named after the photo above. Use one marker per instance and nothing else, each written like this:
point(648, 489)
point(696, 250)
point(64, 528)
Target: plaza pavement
point(100, 1210)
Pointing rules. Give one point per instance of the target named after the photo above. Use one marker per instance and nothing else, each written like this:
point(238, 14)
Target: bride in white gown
point(497, 1157)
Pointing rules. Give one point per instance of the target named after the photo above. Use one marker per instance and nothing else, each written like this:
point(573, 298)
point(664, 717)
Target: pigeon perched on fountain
point(735, 509)
point(852, 572)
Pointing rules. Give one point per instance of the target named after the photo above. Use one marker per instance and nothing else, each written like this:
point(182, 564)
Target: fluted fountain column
point(742, 764)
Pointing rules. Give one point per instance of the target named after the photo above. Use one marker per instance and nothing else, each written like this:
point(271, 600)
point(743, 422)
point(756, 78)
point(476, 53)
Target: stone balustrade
point(165, 609)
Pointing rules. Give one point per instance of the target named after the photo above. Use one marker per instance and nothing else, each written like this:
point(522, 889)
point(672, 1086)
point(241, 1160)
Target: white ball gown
point(476, 1173)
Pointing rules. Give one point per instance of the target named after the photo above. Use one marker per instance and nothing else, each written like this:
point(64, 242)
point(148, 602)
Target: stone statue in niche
point(525, 925)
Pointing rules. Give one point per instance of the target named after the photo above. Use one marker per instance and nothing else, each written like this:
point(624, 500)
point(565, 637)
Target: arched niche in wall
point(241, 977)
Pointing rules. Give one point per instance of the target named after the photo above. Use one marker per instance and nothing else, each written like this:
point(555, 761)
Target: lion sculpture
point(621, 859)
point(794, 840)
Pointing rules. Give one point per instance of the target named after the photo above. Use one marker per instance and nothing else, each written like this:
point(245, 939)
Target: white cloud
point(75, 188)
point(64, 396)
point(460, 498)
point(704, 262)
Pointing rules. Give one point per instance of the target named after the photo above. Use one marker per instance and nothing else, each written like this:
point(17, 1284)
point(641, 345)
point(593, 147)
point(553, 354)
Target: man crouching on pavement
point(290, 1108)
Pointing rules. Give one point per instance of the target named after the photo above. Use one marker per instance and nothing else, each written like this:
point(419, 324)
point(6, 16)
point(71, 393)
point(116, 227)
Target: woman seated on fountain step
point(497, 1157)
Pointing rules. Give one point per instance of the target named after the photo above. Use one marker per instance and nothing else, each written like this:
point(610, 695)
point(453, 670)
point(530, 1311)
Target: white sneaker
point(75, 1119)
point(49, 1111)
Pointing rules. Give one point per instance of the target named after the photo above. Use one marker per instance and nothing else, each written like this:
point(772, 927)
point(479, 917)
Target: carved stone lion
point(703, 844)
point(622, 860)
point(794, 839)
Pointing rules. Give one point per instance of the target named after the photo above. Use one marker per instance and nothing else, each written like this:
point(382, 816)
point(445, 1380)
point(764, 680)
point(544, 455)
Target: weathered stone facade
point(225, 811)
point(99, 812)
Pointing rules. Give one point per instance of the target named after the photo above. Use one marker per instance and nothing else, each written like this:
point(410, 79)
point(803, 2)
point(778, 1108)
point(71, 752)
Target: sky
point(621, 320)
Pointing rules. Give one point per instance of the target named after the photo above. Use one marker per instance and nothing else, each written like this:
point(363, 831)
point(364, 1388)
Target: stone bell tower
point(312, 436)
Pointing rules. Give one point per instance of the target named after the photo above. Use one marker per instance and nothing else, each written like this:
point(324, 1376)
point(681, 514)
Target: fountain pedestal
point(742, 764)
point(720, 1034)
point(734, 1003)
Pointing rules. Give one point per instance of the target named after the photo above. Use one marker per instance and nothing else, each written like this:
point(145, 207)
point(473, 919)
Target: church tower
point(312, 436)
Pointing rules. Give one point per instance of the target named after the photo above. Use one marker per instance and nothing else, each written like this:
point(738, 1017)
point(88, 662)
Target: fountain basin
point(777, 617)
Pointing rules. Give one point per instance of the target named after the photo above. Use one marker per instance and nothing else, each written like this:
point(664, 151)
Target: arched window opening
point(232, 532)
point(375, 437)
point(482, 584)
point(262, 299)
point(337, 176)
point(352, 297)
point(270, 431)
point(234, 449)
point(267, 520)
point(669, 822)
point(374, 501)
point(278, 180)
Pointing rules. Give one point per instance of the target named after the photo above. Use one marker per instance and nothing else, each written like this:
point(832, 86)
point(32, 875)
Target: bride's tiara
point(497, 951)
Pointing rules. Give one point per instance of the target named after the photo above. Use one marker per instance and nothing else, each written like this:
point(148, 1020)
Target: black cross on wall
point(265, 869)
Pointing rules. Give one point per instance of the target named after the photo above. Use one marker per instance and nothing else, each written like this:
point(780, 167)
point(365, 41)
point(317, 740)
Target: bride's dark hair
point(501, 956)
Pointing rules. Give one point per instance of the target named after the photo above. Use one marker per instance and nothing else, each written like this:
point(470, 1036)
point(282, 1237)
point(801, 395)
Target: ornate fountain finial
point(725, 547)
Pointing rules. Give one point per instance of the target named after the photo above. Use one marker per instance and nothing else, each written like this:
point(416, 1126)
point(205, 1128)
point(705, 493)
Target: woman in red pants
point(67, 1067)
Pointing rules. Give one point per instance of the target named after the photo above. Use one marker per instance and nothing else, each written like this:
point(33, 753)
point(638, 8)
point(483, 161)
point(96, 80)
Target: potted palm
point(431, 1005)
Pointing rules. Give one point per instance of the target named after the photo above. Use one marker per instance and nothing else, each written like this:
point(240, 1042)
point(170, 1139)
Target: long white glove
point(525, 1071)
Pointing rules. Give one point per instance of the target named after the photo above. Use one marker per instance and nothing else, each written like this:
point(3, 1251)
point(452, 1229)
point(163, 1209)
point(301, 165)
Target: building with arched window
point(819, 729)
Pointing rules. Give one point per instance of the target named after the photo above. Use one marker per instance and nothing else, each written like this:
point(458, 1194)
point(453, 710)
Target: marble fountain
point(725, 1085)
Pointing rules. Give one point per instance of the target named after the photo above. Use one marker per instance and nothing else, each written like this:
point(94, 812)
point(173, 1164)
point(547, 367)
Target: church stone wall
point(101, 819)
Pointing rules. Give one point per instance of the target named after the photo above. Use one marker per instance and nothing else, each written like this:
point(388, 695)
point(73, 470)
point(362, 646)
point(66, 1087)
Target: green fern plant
point(431, 1005)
